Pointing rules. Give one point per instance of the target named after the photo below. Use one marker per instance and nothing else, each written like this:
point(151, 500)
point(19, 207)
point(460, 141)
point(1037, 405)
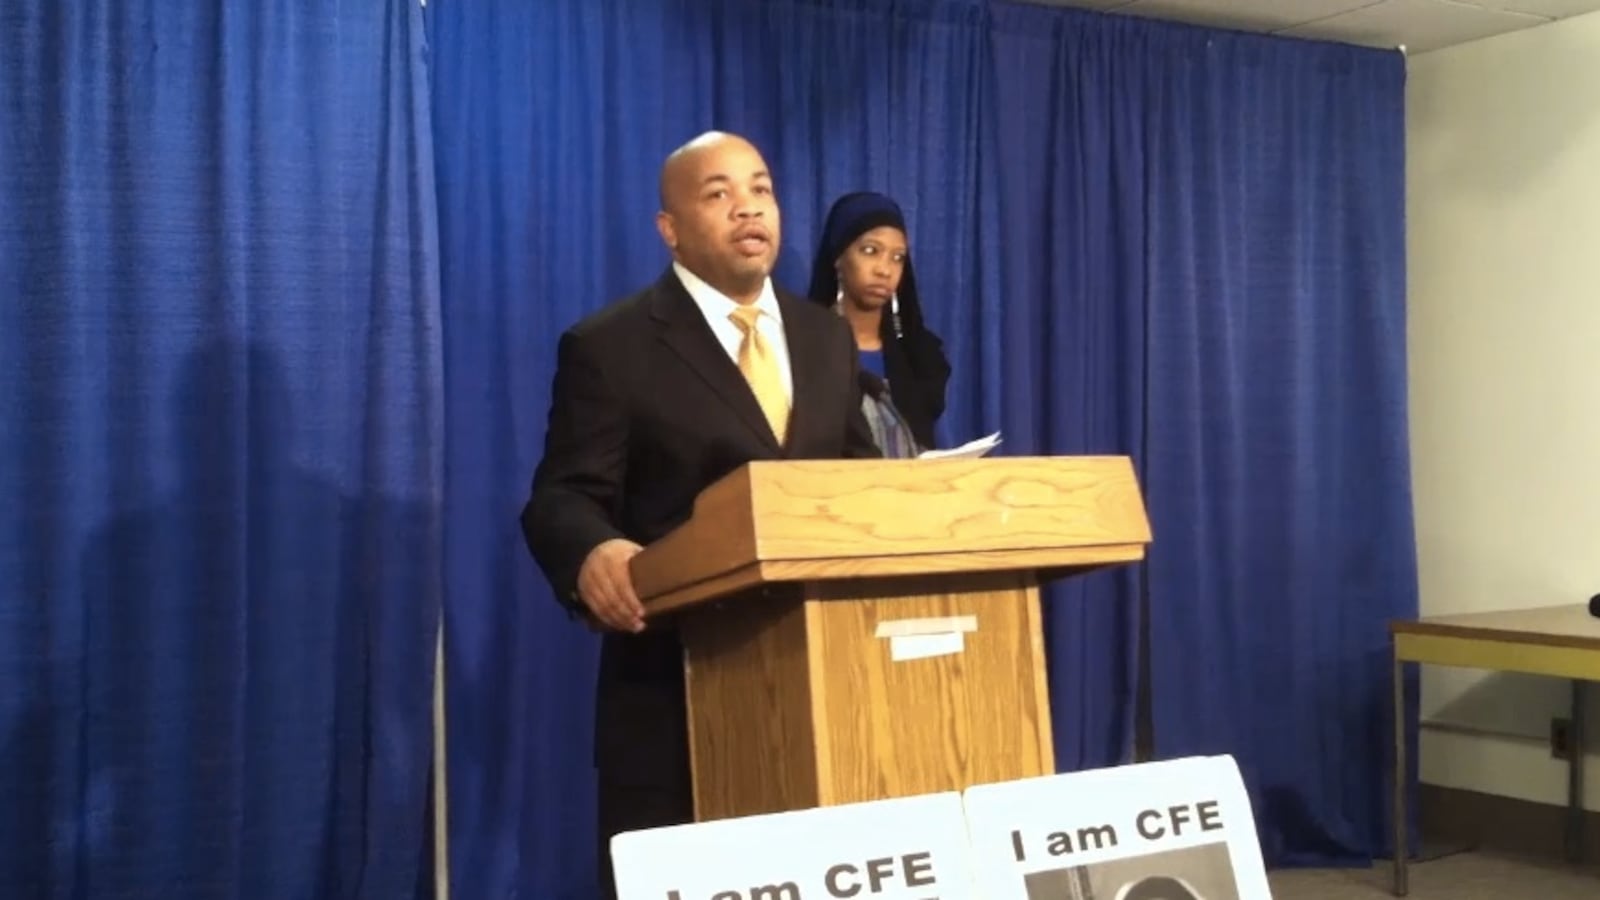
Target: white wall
point(1503, 205)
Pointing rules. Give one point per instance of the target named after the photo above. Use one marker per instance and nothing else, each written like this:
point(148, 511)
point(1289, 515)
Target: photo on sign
point(1201, 872)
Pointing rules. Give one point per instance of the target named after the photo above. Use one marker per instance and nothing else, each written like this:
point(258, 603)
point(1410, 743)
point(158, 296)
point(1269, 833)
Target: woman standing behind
point(863, 270)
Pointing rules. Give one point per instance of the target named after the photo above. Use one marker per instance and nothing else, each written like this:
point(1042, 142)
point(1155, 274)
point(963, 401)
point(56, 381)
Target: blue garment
point(872, 361)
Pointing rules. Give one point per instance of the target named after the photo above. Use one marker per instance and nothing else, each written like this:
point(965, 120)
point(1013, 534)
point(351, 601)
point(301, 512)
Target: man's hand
point(606, 587)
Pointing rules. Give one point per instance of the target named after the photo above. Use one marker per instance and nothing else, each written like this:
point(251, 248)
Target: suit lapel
point(808, 356)
point(685, 331)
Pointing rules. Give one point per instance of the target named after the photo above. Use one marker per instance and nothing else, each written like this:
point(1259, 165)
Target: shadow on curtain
point(221, 555)
point(1135, 237)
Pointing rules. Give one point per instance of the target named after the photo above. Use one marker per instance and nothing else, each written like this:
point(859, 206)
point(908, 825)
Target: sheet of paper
point(969, 450)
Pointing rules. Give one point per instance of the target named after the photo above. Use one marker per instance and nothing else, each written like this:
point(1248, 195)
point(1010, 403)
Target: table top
point(1568, 625)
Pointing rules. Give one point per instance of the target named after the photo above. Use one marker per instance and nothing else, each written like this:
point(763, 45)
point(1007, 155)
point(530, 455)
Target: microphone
point(1594, 606)
point(871, 384)
point(878, 390)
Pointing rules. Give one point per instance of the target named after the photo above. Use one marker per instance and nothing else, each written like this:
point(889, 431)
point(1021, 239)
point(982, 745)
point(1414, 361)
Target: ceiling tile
point(1246, 15)
point(1420, 25)
point(1555, 9)
point(1086, 4)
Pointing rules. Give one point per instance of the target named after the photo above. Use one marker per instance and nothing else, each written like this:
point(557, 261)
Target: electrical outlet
point(1560, 738)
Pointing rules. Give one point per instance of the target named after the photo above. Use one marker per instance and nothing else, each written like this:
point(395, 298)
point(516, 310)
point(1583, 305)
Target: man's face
point(722, 219)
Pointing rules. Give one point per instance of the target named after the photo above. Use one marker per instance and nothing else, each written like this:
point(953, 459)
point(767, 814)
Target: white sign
point(906, 849)
point(1176, 830)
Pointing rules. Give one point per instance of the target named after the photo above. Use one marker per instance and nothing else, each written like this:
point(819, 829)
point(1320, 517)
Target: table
point(1558, 641)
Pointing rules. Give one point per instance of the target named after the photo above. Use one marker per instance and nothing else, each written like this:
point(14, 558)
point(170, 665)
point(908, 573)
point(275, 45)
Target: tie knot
point(745, 318)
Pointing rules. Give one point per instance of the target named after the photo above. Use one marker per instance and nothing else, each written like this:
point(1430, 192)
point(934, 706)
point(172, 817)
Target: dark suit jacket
point(648, 410)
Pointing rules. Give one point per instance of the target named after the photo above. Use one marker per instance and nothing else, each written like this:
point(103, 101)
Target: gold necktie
point(760, 368)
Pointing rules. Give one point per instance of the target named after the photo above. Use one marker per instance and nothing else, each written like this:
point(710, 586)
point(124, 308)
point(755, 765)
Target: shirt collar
point(717, 305)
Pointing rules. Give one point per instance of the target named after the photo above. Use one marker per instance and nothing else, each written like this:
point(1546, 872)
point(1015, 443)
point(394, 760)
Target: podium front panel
point(854, 690)
point(927, 684)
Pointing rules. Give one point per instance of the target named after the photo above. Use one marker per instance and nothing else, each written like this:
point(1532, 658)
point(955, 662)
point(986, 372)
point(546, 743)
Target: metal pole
point(1575, 776)
point(441, 805)
point(1401, 833)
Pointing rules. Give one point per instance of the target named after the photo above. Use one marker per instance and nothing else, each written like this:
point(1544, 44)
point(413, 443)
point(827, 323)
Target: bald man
point(650, 405)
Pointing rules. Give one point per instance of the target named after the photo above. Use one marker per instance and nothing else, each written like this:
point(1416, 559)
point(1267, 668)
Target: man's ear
point(668, 230)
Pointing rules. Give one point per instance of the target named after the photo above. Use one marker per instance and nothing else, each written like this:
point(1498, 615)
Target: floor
point(1464, 876)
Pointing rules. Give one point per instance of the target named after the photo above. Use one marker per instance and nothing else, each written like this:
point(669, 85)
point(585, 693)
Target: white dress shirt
point(718, 309)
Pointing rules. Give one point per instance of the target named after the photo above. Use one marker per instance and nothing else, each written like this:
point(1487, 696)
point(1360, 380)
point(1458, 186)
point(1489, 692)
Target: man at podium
point(655, 397)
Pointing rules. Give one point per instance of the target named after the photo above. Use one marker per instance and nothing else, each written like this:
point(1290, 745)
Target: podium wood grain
point(821, 519)
point(820, 713)
point(778, 585)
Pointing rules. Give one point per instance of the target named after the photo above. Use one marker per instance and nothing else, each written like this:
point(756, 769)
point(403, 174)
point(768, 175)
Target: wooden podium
point(865, 629)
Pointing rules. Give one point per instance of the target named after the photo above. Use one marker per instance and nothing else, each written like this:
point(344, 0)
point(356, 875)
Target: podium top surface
point(793, 520)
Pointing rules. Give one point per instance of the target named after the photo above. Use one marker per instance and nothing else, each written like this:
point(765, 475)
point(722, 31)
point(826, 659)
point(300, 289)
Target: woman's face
point(871, 267)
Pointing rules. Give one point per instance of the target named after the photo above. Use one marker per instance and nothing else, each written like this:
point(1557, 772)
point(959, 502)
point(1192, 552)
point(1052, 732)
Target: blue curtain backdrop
point(1277, 463)
point(246, 452)
point(1135, 237)
point(220, 449)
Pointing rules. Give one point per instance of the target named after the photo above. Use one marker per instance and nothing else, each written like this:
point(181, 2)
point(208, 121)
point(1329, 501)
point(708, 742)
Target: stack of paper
point(969, 450)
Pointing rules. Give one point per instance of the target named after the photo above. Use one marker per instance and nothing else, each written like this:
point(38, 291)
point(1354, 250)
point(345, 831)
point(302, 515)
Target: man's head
point(719, 215)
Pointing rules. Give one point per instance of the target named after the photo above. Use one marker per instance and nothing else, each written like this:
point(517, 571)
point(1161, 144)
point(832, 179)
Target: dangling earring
point(838, 299)
point(894, 313)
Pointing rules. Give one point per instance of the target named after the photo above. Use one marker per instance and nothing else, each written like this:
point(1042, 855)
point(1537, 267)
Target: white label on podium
point(906, 849)
point(1176, 830)
point(904, 647)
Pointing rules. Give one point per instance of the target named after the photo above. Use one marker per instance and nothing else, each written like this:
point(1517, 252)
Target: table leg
point(1575, 738)
point(1402, 848)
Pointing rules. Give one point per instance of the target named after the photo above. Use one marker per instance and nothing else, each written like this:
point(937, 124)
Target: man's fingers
point(619, 584)
point(596, 596)
point(613, 614)
point(624, 602)
point(606, 586)
point(624, 574)
point(609, 600)
point(626, 596)
point(619, 620)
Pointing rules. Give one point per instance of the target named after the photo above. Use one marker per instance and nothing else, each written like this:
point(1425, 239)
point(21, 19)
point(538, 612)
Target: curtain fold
point(221, 443)
point(1278, 427)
